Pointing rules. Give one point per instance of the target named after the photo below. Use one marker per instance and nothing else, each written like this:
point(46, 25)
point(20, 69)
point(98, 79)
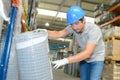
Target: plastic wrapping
point(114, 31)
point(12, 72)
point(1, 25)
point(17, 28)
point(3, 15)
point(1, 44)
point(32, 55)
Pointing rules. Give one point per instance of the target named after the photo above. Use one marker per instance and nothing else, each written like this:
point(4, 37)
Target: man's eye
point(76, 23)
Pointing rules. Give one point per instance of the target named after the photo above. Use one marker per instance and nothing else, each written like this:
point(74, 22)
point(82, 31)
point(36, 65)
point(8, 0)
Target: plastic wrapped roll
point(1, 44)
point(32, 54)
point(12, 71)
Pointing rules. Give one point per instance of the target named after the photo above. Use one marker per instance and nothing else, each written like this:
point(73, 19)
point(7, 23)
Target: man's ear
point(84, 20)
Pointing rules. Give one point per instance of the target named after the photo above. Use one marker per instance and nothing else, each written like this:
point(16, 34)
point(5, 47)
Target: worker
point(89, 38)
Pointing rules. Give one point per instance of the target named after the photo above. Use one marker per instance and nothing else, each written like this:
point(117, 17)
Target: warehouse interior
point(26, 52)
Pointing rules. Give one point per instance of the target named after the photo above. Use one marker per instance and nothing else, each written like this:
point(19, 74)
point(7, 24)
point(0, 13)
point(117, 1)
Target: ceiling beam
point(58, 4)
point(58, 10)
point(54, 24)
point(95, 3)
point(63, 6)
point(50, 27)
point(89, 2)
point(48, 20)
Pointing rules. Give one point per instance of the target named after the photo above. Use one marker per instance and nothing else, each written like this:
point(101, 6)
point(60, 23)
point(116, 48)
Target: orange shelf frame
point(15, 3)
point(111, 21)
point(114, 7)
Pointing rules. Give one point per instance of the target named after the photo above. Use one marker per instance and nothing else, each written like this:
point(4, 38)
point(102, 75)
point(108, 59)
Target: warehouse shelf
point(111, 21)
point(114, 8)
point(115, 20)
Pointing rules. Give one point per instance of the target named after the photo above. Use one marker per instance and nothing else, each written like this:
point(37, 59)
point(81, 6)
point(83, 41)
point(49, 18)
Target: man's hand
point(40, 30)
point(59, 63)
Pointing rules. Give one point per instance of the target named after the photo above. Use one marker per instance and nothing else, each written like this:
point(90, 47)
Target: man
point(89, 38)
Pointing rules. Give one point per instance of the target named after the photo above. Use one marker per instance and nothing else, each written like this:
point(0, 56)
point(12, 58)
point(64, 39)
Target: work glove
point(59, 63)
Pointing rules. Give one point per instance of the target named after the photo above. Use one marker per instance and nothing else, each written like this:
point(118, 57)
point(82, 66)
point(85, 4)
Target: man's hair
point(81, 19)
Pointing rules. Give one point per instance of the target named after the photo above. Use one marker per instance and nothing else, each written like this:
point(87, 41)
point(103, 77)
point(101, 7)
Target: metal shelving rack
point(112, 9)
point(8, 40)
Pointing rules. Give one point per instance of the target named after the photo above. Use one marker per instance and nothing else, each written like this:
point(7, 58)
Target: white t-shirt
point(91, 34)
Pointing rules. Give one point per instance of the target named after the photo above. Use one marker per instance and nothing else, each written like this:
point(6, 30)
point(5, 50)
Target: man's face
point(78, 26)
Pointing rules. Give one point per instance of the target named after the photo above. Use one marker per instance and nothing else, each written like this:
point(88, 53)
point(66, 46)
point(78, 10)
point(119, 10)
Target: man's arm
point(82, 55)
point(76, 58)
point(57, 34)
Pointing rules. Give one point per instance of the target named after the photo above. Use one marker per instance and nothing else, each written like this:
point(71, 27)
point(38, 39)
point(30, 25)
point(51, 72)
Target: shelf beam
point(111, 9)
point(111, 21)
point(114, 7)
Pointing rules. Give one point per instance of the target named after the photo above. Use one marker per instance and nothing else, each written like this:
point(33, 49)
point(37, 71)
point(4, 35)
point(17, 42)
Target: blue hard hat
point(74, 13)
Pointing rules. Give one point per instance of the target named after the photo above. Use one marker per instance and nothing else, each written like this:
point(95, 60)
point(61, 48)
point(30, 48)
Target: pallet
point(111, 70)
point(109, 58)
point(111, 38)
point(112, 62)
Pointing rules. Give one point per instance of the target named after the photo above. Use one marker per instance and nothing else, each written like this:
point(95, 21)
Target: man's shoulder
point(92, 26)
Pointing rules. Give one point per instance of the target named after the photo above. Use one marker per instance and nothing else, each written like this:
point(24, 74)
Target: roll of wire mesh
point(32, 55)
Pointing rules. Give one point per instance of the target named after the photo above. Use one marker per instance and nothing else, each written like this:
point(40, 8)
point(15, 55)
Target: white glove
point(59, 63)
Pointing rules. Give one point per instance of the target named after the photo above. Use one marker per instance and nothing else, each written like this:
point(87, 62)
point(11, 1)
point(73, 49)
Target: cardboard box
point(113, 49)
point(111, 71)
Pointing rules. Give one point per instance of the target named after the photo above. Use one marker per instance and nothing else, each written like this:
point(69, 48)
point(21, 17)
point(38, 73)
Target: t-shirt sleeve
point(94, 36)
point(69, 29)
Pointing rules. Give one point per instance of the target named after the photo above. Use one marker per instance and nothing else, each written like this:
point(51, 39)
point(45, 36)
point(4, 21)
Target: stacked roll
point(32, 55)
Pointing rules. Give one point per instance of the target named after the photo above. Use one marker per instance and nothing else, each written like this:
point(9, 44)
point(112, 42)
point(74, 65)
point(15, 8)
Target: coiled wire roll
point(32, 55)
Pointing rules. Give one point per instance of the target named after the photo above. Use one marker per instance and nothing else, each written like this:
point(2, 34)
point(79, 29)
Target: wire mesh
point(32, 54)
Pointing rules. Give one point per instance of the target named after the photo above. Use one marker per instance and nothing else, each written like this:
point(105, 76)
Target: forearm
point(82, 55)
point(79, 57)
point(72, 59)
point(57, 34)
point(53, 34)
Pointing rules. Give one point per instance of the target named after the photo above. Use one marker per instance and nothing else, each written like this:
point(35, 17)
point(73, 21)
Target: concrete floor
point(60, 75)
